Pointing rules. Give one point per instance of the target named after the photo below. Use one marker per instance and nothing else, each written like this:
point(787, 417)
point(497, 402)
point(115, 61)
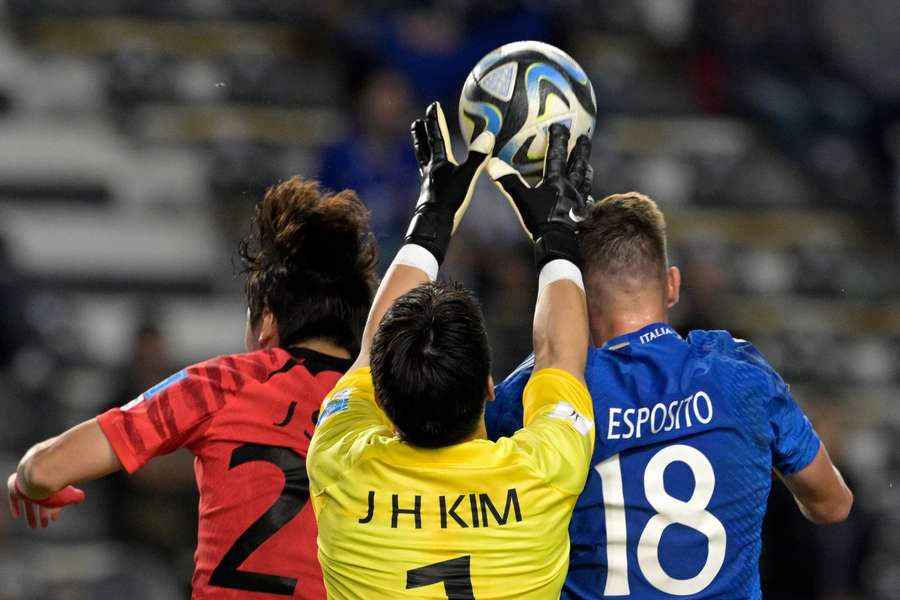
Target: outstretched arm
point(560, 322)
point(446, 191)
point(550, 214)
point(42, 484)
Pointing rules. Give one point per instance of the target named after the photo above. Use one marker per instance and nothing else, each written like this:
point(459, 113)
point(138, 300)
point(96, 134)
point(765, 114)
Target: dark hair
point(430, 364)
point(624, 234)
point(310, 259)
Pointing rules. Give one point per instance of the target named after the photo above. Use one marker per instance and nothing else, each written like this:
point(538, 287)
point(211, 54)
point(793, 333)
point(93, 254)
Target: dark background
point(135, 138)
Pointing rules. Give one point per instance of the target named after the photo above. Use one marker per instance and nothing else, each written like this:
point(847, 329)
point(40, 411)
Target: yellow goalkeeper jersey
point(480, 519)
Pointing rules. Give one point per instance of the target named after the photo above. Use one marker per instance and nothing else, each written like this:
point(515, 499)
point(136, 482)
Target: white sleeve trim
point(557, 270)
point(413, 255)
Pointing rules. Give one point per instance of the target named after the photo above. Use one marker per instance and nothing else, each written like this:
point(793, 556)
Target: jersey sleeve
point(503, 415)
point(348, 418)
point(559, 428)
point(794, 442)
point(166, 417)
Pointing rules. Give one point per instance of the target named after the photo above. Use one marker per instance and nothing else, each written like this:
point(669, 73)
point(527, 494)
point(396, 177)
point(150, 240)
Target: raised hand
point(550, 212)
point(446, 186)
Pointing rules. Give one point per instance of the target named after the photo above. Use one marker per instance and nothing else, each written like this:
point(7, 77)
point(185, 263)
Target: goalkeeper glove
point(551, 211)
point(446, 186)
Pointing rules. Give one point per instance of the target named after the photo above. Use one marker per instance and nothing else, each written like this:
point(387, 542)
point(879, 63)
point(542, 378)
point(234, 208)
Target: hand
point(551, 211)
point(560, 197)
point(446, 186)
point(40, 513)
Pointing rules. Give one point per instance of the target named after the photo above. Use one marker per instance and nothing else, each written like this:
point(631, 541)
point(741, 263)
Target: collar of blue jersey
point(644, 335)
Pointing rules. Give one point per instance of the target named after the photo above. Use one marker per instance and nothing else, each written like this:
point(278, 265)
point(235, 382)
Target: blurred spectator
point(505, 287)
point(704, 283)
point(157, 506)
point(147, 366)
point(436, 45)
point(239, 174)
point(861, 37)
point(377, 159)
point(28, 408)
point(138, 72)
point(12, 314)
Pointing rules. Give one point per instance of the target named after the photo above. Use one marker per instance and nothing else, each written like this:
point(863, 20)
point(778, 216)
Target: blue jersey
point(688, 432)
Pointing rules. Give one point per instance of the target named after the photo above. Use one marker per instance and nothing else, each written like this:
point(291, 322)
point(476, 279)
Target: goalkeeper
point(411, 500)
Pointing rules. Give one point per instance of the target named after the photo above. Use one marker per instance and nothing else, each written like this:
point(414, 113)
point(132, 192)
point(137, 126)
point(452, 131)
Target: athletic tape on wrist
point(559, 269)
point(413, 255)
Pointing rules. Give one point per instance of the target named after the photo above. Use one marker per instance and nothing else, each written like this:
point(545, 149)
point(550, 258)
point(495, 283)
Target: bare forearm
point(830, 509)
point(80, 454)
point(820, 491)
point(26, 472)
point(560, 328)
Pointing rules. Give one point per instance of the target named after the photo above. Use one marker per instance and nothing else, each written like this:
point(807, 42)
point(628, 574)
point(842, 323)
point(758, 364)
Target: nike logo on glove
point(575, 218)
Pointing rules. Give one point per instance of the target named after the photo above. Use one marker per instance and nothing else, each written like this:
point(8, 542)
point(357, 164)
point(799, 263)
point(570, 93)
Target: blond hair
point(624, 234)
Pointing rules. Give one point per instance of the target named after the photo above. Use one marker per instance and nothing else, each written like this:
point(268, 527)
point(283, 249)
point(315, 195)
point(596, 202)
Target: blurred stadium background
point(136, 136)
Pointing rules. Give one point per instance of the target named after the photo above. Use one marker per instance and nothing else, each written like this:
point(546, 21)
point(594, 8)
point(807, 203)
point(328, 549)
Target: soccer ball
point(516, 92)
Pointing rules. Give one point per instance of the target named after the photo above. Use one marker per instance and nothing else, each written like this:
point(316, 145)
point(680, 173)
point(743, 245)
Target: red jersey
point(248, 420)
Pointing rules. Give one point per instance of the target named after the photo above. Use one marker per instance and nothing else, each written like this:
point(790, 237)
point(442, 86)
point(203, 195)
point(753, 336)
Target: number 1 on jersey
point(455, 574)
point(669, 510)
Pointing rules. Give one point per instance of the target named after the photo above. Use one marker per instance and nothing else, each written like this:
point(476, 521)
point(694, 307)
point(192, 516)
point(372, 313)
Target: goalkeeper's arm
point(445, 194)
point(550, 213)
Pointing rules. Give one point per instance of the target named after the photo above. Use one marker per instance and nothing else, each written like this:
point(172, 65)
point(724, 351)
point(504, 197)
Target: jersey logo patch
point(566, 412)
point(156, 389)
point(338, 403)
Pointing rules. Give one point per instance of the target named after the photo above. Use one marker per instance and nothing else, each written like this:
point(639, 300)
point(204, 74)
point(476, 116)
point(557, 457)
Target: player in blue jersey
point(689, 432)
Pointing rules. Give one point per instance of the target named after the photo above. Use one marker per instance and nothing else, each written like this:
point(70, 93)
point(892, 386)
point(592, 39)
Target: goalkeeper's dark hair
point(430, 365)
point(310, 259)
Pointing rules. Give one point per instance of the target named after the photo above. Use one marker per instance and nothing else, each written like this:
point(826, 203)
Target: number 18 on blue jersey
point(688, 432)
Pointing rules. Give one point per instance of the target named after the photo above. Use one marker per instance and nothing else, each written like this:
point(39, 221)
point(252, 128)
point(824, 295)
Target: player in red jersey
point(247, 418)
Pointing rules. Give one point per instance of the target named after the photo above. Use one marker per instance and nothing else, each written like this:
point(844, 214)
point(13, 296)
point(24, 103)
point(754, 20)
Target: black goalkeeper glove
point(446, 186)
point(551, 211)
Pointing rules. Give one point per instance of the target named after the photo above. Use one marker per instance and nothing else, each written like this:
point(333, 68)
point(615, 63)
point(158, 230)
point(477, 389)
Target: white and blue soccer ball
point(516, 92)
